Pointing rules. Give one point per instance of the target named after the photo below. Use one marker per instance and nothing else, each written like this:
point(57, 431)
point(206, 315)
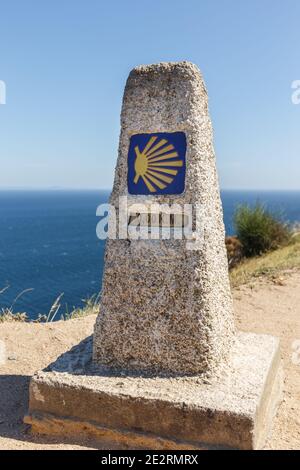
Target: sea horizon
point(48, 242)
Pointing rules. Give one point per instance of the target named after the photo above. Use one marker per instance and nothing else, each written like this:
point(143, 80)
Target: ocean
point(48, 243)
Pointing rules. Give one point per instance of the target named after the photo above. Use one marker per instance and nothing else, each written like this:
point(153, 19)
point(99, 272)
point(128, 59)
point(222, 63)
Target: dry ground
point(265, 306)
point(273, 307)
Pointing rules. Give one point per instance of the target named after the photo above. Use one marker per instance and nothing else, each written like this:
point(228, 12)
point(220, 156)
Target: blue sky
point(65, 63)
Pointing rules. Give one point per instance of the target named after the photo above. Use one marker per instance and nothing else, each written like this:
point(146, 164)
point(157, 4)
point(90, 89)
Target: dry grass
point(8, 315)
point(91, 307)
point(269, 264)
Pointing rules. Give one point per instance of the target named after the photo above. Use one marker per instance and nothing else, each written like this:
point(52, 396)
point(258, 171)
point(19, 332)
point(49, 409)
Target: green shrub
point(259, 230)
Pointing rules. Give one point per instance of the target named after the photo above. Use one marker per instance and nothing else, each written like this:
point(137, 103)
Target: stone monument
point(169, 370)
point(172, 311)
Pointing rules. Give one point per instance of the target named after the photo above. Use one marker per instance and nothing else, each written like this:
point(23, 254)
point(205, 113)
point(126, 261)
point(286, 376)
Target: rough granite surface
point(166, 309)
point(234, 410)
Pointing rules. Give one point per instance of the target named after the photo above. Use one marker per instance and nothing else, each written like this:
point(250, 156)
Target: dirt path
point(30, 347)
point(274, 308)
point(264, 307)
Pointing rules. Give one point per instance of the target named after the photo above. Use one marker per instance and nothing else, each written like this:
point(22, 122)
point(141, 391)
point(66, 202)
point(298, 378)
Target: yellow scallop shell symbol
point(154, 162)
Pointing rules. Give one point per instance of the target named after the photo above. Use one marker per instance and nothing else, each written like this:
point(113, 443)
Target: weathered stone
point(233, 411)
point(165, 308)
